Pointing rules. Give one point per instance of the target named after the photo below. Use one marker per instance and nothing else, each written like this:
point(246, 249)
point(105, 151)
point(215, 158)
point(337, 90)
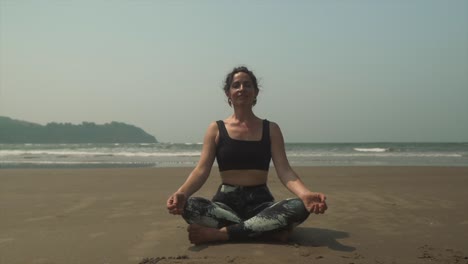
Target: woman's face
point(242, 90)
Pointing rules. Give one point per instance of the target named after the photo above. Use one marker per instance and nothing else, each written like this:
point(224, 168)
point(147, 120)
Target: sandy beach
point(376, 215)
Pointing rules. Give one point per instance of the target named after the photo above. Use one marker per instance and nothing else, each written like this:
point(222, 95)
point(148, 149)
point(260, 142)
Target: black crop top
point(234, 154)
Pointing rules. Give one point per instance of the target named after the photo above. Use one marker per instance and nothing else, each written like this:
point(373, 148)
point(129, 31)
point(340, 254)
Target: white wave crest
point(96, 153)
point(372, 154)
point(372, 149)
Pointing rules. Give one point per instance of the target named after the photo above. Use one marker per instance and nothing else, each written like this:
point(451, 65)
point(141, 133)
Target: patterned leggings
point(246, 212)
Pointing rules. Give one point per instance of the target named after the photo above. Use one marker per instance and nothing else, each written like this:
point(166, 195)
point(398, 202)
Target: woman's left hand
point(314, 202)
point(176, 203)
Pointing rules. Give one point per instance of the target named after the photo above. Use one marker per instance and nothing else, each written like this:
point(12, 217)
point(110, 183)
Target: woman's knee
point(197, 202)
point(297, 209)
point(193, 206)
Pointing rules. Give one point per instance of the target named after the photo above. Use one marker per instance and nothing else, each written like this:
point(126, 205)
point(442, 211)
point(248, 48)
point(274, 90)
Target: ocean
point(187, 155)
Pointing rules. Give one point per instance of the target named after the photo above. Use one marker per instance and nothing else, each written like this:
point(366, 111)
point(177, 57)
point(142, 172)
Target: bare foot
point(200, 234)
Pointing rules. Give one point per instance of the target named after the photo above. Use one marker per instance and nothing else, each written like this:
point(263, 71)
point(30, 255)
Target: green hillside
point(17, 131)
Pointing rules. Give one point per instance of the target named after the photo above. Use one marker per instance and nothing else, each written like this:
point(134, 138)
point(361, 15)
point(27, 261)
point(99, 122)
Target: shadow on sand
point(303, 236)
point(320, 237)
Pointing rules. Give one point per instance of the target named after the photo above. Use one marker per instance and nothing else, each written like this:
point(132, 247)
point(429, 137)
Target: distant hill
point(17, 131)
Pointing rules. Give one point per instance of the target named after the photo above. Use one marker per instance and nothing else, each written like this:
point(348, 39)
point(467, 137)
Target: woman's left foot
point(200, 234)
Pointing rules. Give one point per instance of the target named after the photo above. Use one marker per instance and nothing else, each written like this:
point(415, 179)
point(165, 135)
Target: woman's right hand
point(314, 202)
point(176, 203)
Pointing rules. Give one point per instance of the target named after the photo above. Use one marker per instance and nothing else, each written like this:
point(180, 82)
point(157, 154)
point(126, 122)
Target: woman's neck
point(243, 114)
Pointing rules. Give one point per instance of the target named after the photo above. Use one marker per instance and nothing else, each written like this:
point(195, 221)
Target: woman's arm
point(199, 175)
point(314, 202)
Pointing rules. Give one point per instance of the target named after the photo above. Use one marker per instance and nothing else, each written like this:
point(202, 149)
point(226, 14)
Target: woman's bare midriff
point(244, 177)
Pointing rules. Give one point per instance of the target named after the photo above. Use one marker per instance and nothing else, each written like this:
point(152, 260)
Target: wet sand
point(376, 215)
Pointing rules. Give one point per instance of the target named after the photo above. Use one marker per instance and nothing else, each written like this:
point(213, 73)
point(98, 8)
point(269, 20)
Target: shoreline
point(377, 214)
point(191, 166)
point(161, 155)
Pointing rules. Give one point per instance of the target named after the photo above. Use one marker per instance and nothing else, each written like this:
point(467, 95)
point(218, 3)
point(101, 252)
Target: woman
point(243, 146)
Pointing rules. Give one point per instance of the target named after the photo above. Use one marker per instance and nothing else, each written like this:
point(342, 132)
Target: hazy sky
point(330, 71)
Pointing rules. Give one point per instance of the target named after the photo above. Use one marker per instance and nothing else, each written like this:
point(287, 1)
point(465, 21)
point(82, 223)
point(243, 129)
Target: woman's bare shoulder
point(212, 128)
point(212, 132)
point(274, 127)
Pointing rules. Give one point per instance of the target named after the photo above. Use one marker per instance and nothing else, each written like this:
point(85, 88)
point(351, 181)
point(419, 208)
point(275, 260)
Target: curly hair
point(230, 78)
